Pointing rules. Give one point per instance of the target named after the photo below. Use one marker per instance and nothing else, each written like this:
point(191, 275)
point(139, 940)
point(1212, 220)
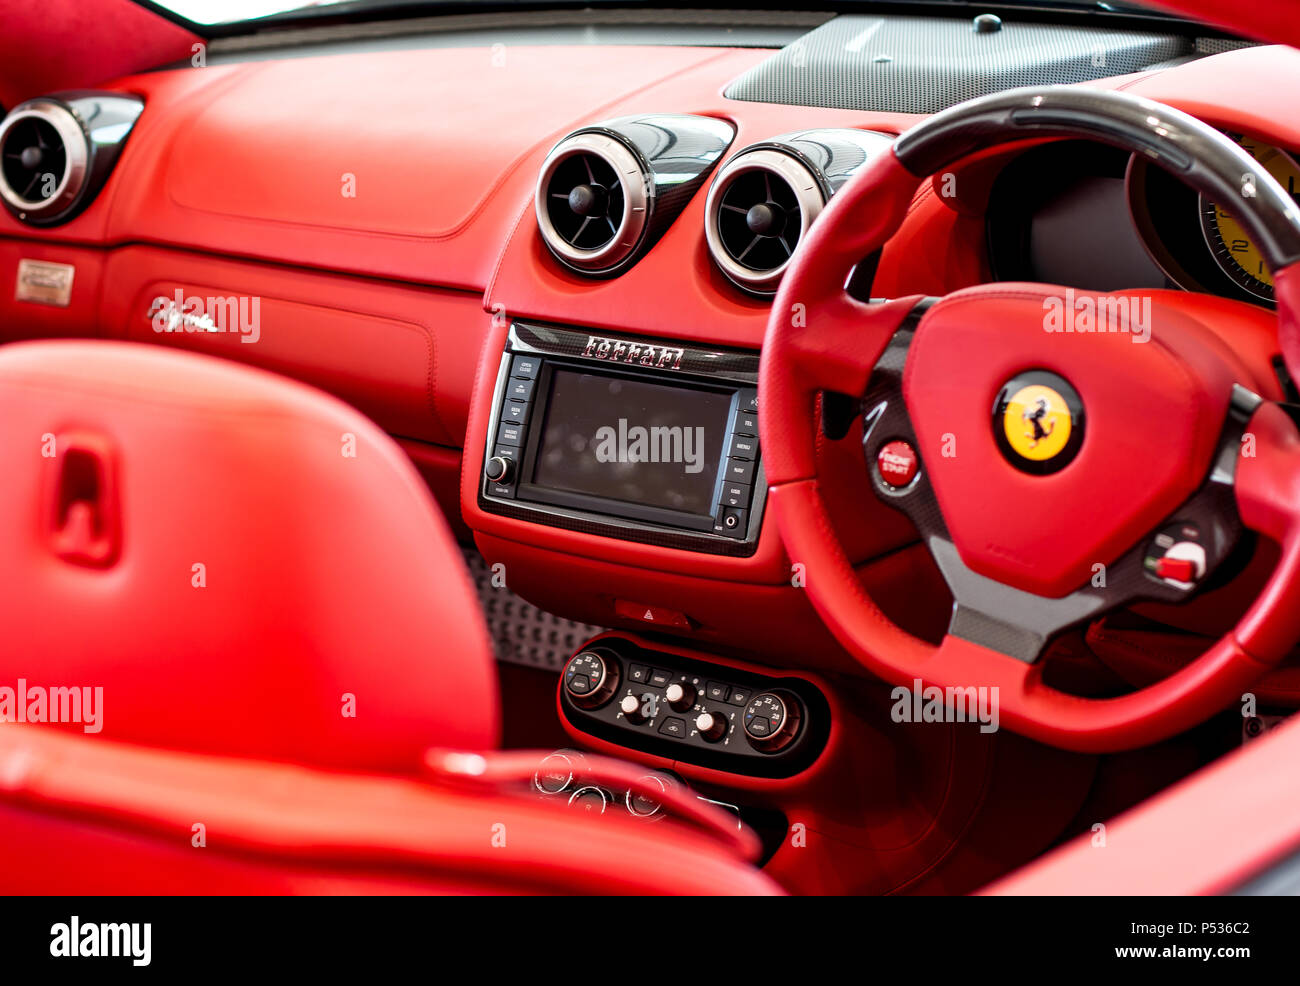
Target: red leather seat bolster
point(332, 825)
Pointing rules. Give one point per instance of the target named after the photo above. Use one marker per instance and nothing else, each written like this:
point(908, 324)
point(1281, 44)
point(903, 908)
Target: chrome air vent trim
point(35, 123)
point(631, 177)
point(78, 136)
point(790, 191)
point(623, 205)
point(754, 225)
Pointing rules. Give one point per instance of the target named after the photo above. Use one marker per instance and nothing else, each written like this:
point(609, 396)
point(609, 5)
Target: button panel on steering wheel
point(1168, 566)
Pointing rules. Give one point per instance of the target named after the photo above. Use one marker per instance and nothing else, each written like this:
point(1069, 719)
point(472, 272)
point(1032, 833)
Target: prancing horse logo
point(1034, 416)
point(1038, 422)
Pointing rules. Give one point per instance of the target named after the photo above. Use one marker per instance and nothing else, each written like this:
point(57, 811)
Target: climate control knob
point(590, 678)
point(498, 469)
point(712, 725)
point(772, 720)
point(680, 695)
point(635, 710)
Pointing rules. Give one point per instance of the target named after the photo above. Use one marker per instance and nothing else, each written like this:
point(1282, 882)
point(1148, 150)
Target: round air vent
point(592, 202)
point(43, 160)
point(760, 206)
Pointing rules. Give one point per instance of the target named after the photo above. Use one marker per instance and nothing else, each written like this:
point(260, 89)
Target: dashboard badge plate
point(44, 283)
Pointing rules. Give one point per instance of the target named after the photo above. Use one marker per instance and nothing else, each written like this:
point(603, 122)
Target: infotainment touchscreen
point(618, 438)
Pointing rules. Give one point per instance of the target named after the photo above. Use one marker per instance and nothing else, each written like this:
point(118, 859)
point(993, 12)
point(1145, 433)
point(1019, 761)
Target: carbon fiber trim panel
point(926, 64)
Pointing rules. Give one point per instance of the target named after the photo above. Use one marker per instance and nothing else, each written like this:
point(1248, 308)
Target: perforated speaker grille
point(926, 64)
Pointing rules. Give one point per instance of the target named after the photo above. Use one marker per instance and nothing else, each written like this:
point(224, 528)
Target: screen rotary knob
point(772, 721)
point(680, 695)
point(590, 678)
point(499, 469)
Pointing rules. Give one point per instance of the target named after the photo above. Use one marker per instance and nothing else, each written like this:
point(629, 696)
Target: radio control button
point(519, 389)
point(525, 366)
point(739, 471)
point(744, 447)
point(499, 469)
point(749, 401)
point(510, 434)
point(515, 412)
point(746, 423)
point(736, 495)
point(501, 490)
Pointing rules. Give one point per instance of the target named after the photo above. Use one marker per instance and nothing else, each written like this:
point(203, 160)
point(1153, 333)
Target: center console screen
point(618, 438)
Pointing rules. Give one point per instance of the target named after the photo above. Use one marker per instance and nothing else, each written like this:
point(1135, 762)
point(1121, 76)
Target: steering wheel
point(1060, 452)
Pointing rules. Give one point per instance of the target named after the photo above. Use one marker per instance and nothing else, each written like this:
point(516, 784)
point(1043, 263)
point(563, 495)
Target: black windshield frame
point(1114, 13)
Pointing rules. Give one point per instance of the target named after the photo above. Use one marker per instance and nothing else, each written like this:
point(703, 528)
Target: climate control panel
point(689, 710)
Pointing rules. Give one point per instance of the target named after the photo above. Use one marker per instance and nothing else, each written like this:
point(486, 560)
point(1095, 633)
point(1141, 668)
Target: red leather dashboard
point(287, 162)
point(380, 207)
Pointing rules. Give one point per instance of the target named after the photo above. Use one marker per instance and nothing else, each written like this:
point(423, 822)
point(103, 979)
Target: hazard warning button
point(652, 615)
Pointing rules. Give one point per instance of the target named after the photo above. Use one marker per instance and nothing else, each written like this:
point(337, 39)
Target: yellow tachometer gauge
point(1233, 250)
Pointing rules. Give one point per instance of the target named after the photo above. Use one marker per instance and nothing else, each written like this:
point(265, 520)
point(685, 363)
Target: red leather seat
point(281, 626)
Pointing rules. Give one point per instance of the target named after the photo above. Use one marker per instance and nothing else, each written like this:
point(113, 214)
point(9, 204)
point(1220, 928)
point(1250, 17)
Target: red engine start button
point(897, 463)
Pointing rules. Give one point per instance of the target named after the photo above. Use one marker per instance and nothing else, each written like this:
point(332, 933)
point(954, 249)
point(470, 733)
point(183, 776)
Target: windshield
point(213, 12)
point(233, 11)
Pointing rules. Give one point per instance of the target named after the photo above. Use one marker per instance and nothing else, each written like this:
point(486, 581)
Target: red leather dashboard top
point(239, 179)
point(418, 166)
point(286, 161)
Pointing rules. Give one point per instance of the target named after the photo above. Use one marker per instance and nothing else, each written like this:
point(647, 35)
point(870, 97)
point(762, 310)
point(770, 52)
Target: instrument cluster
point(1091, 216)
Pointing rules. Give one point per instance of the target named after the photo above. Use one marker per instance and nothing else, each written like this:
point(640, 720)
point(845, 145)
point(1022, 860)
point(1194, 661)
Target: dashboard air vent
point(764, 199)
point(607, 192)
point(759, 208)
point(585, 201)
point(43, 159)
point(591, 202)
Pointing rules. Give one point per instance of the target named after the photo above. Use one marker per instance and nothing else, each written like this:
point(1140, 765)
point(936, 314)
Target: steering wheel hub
point(1041, 484)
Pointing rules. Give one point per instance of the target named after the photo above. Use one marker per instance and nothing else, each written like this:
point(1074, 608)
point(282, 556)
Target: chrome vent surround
point(607, 192)
point(763, 200)
point(592, 202)
point(759, 208)
point(44, 159)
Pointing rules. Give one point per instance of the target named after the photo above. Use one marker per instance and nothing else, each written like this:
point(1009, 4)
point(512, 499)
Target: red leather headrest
point(242, 564)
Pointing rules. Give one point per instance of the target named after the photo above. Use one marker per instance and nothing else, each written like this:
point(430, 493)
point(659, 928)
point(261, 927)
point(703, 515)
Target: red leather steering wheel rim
point(819, 338)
